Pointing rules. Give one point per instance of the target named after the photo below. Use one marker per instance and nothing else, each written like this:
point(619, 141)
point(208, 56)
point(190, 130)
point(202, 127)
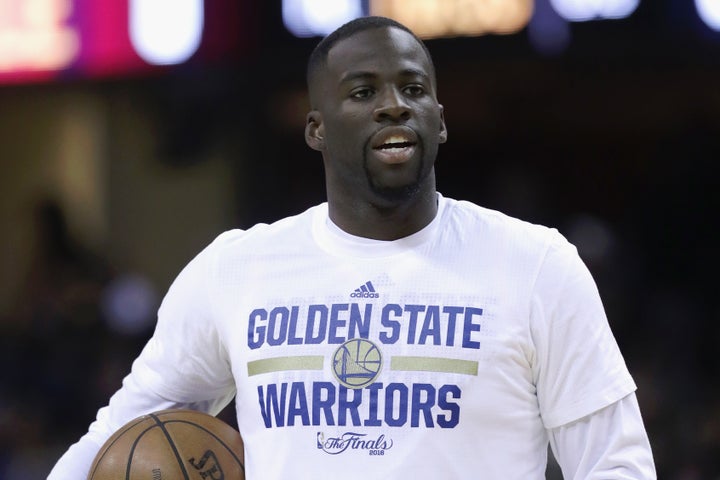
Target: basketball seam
point(161, 424)
point(132, 450)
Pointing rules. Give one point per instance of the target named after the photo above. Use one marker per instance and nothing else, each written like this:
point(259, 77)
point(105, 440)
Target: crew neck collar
point(336, 241)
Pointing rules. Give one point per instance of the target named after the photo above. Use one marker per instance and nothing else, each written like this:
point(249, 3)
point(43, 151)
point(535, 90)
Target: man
point(391, 332)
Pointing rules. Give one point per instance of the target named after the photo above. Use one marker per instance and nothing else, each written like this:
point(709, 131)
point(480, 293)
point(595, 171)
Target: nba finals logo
point(376, 446)
point(357, 363)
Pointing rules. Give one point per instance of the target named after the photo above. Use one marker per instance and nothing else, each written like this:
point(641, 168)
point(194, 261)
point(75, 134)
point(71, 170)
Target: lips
point(394, 145)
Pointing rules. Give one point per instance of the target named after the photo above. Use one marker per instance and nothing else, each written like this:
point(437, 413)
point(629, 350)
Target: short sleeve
point(578, 367)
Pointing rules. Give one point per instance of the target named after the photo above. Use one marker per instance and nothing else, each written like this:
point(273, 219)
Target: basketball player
point(391, 332)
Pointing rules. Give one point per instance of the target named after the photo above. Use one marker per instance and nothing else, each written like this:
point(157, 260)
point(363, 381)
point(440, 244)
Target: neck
point(381, 222)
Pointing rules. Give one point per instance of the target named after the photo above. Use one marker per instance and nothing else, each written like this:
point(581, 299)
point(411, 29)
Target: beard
point(394, 194)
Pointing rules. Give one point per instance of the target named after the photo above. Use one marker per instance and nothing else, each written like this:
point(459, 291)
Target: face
point(377, 120)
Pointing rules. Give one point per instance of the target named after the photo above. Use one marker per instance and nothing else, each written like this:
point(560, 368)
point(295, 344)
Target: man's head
point(375, 115)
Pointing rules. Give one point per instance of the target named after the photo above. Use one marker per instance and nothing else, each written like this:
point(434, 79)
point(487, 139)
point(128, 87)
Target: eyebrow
point(359, 75)
point(363, 75)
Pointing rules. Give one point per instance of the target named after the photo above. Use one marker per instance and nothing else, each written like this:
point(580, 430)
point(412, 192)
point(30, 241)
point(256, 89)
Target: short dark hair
point(319, 55)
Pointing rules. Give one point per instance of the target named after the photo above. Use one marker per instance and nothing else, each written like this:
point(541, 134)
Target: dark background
point(613, 141)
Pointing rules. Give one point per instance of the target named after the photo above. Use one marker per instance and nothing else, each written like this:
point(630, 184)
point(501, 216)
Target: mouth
point(394, 145)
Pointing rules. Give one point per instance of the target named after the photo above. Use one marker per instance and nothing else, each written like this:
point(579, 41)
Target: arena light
point(709, 12)
point(34, 35)
point(584, 10)
point(309, 18)
point(446, 18)
point(166, 32)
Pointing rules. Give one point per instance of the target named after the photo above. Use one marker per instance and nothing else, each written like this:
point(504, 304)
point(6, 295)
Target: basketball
point(170, 445)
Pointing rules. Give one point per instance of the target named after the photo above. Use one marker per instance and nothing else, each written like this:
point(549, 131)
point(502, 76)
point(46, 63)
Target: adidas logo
point(365, 291)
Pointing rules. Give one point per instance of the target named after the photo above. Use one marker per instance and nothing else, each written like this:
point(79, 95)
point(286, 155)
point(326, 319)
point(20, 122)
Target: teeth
point(396, 142)
point(396, 139)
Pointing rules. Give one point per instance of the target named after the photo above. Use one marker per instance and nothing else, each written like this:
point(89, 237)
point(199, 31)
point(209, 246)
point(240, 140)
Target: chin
point(396, 194)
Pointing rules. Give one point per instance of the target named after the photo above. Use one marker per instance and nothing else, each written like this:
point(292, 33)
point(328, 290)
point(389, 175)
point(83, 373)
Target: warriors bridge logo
point(357, 363)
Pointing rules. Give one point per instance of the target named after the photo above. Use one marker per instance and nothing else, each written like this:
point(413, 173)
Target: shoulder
point(287, 232)
point(500, 229)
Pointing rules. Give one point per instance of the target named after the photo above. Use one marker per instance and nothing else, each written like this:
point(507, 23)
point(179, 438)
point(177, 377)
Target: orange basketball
point(171, 445)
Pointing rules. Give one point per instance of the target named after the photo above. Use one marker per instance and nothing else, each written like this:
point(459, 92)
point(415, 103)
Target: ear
point(443, 128)
point(315, 131)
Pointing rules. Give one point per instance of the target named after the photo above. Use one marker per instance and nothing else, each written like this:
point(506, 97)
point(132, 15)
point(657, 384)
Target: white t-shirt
point(446, 354)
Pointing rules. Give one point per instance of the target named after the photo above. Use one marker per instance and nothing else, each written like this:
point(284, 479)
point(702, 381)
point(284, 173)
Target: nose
point(391, 106)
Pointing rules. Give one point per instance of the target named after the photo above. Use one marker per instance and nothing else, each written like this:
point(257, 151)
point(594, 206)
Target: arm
point(585, 391)
point(184, 365)
point(608, 444)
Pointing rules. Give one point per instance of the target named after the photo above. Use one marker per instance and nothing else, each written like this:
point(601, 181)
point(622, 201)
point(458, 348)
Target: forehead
point(377, 50)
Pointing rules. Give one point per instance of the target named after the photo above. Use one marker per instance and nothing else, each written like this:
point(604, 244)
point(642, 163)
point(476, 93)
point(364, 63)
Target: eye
point(361, 93)
point(414, 90)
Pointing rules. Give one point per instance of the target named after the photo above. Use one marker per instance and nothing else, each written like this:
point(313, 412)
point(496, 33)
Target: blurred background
point(132, 132)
